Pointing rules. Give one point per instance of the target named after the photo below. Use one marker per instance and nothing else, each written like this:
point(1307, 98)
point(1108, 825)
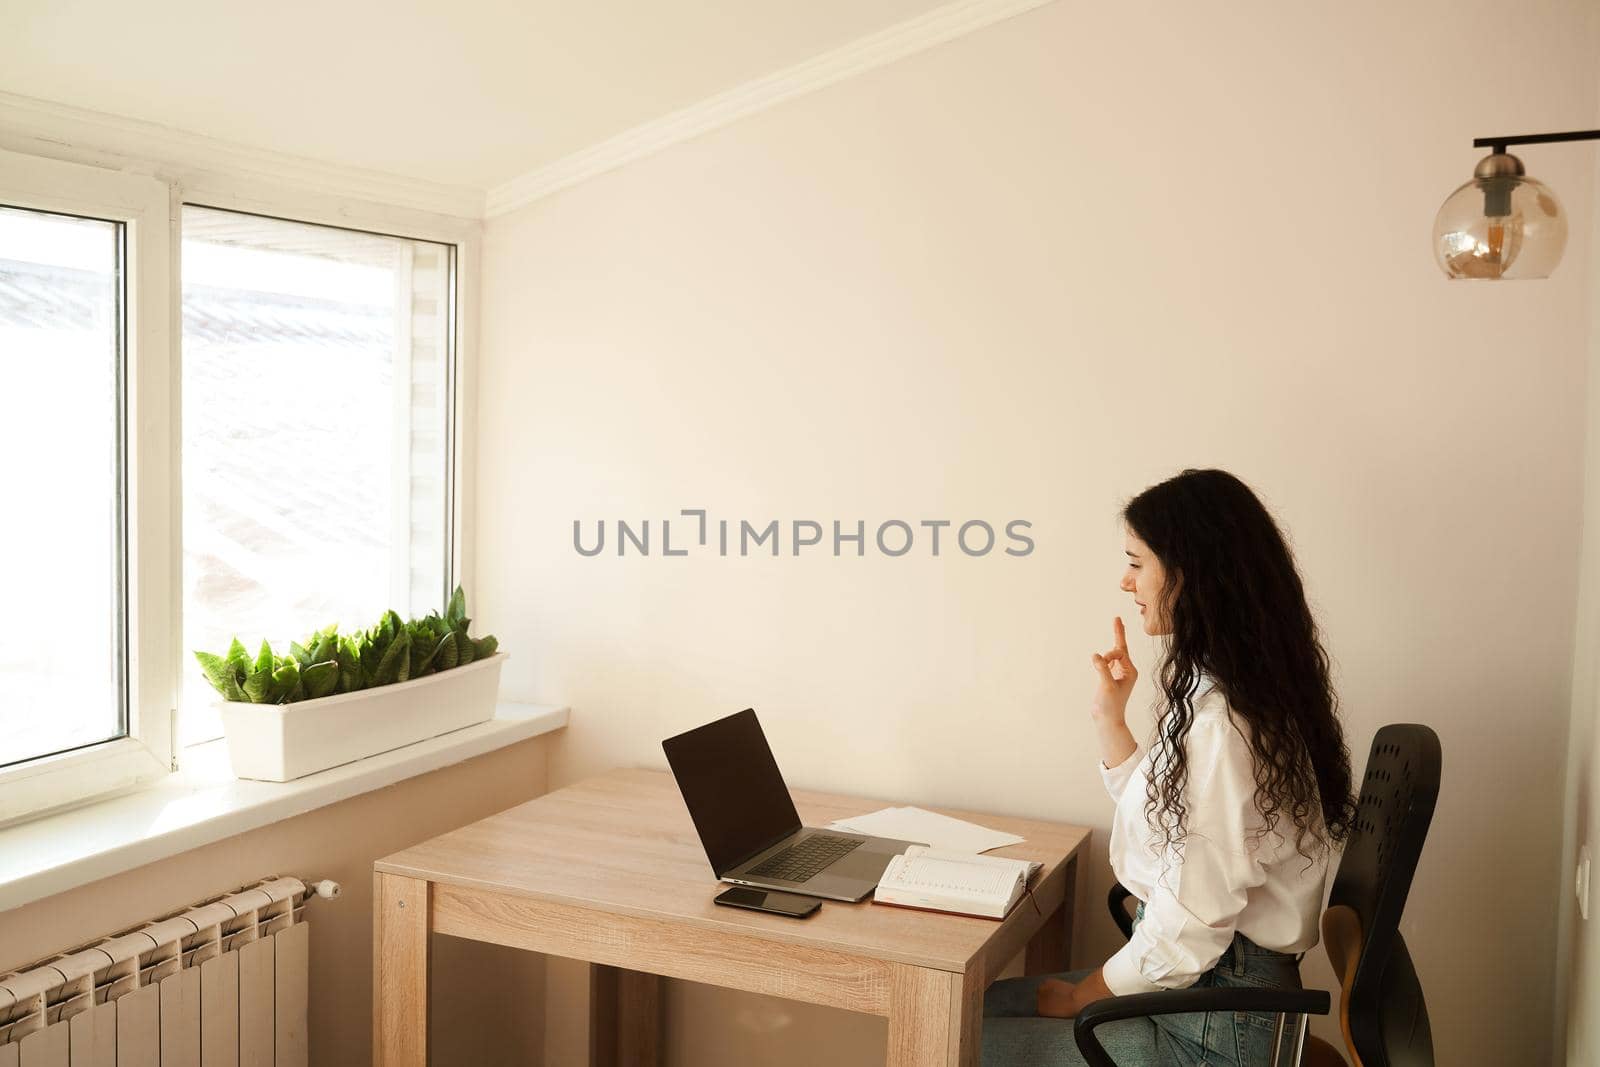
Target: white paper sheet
point(931, 828)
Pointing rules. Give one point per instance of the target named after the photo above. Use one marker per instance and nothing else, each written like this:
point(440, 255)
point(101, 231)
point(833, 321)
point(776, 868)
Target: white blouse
point(1225, 877)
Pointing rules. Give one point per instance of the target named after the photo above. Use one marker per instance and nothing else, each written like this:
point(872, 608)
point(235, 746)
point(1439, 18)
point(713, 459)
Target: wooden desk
point(610, 871)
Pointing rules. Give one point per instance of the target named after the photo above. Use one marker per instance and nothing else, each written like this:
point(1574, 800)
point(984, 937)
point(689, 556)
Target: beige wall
point(1024, 275)
point(1578, 977)
point(488, 1001)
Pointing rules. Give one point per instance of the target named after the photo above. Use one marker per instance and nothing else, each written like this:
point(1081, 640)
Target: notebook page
point(1025, 868)
point(951, 876)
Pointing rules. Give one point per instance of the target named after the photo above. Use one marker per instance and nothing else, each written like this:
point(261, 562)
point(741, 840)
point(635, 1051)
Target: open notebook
point(960, 882)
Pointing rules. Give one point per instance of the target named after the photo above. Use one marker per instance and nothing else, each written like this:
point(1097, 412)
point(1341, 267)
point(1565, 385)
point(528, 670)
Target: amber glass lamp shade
point(1502, 225)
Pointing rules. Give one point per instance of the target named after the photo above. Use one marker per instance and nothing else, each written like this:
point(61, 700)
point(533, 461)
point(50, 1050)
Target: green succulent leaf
point(424, 648)
point(323, 648)
point(486, 646)
point(444, 656)
point(216, 670)
point(371, 655)
point(238, 660)
point(260, 688)
point(403, 656)
point(349, 665)
point(288, 675)
point(320, 679)
point(456, 611)
point(395, 666)
point(263, 659)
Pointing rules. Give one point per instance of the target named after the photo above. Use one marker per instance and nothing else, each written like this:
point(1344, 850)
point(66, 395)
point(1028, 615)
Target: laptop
point(748, 824)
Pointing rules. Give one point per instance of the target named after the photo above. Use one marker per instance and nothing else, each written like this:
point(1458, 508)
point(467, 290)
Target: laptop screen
point(732, 787)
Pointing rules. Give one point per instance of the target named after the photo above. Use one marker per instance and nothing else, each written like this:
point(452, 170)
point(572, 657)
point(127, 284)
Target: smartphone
point(793, 905)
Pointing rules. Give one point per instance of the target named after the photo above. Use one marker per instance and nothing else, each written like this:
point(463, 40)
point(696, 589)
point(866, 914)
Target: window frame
point(143, 206)
point(74, 175)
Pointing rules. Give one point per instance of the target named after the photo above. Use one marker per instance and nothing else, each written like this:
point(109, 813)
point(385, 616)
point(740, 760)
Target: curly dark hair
point(1238, 613)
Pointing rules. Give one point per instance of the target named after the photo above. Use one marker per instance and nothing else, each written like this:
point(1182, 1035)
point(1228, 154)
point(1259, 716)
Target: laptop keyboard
point(799, 862)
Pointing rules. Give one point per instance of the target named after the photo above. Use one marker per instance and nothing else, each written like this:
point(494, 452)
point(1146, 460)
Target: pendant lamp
point(1503, 225)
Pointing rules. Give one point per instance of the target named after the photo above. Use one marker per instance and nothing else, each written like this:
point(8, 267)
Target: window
point(311, 419)
point(87, 660)
point(61, 359)
point(316, 433)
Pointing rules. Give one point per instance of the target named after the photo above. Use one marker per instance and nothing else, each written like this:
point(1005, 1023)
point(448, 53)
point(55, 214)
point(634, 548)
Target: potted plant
point(341, 697)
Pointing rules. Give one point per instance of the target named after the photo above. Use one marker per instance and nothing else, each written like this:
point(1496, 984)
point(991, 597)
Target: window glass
point(61, 364)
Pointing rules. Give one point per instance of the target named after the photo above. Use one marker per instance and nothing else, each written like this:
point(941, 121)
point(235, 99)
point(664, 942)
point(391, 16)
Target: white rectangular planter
point(281, 742)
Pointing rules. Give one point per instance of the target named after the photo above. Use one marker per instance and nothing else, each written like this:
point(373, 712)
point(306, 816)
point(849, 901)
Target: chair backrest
point(1385, 1018)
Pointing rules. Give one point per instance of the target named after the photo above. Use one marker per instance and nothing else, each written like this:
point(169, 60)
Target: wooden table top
point(623, 842)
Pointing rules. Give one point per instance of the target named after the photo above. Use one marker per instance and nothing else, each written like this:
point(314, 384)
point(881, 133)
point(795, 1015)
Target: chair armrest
point(1119, 914)
point(1185, 1001)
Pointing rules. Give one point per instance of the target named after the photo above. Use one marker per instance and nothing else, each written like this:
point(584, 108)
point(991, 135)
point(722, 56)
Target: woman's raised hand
point(1117, 675)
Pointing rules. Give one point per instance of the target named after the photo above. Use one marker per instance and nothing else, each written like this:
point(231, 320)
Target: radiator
point(220, 984)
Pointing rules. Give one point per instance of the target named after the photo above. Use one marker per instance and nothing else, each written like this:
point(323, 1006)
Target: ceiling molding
point(875, 50)
point(59, 130)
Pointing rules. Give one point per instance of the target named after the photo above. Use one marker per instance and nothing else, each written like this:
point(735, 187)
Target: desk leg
point(935, 1018)
point(402, 919)
point(625, 1018)
point(1050, 950)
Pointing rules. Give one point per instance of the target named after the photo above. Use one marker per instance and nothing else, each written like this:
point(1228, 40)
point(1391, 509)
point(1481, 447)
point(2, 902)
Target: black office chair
point(1382, 1014)
point(1381, 1010)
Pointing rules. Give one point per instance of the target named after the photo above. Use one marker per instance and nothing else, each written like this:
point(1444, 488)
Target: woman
point(1225, 821)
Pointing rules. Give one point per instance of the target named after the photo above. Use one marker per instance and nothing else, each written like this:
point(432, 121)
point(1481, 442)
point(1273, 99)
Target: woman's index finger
point(1121, 634)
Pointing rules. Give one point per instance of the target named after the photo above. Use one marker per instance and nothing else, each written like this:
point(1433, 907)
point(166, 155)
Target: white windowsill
point(204, 803)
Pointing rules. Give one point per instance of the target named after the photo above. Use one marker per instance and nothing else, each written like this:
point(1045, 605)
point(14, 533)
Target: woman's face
point(1145, 578)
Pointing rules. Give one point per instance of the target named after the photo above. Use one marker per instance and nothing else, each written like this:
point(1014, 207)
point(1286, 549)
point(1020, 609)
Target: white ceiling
point(465, 92)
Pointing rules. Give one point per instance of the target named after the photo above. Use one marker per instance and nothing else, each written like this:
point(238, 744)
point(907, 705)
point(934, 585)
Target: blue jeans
point(1014, 1035)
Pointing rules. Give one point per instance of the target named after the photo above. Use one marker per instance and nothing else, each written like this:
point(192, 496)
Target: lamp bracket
point(1499, 143)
